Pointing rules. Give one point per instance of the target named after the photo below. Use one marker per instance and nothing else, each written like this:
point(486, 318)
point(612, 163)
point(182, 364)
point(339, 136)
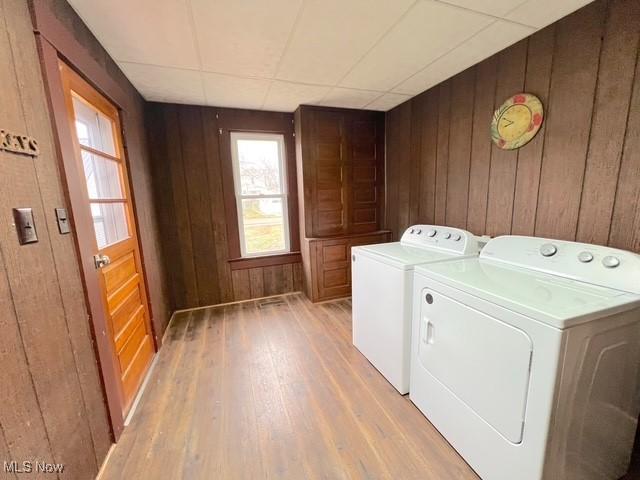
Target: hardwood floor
point(274, 389)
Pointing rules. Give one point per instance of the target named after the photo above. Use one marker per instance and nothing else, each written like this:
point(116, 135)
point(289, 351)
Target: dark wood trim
point(264, 261)
point(83, 226)
point(235, 120)
point(348, 235)
point(48, 26)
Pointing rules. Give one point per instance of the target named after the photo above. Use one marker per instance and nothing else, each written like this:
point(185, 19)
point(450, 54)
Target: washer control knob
point(447, 236)
point(456, 238)
point(610, 261)
point(431, 233)
point(548, 250)
point(585, 257)
point(419, 231)
point(412, 230)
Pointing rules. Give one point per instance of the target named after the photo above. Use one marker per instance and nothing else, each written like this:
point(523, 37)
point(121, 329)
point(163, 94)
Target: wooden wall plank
point(613, 94)
point(427, 106)
point(256, 282)
point(502, 174)
point(442, 153)
point(415, 148)
point(19, 404)
point(216, 197)
point(625, 224)
point(525, 202)
point(484, 100)
point(462, 93)
point(184, 271)
point(573, 83)
point(198, 204)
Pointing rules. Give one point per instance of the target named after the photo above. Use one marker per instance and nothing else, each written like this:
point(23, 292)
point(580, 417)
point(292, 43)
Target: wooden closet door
point(327, 146)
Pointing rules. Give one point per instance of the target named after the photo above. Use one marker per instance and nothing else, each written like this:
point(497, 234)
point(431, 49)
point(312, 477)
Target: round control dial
point(412, 230)
point(447, 236)
point(431, 233)
point(585, 257)
point(610, 261)
point(419, 231)
point(548, 250)
point(456, 238)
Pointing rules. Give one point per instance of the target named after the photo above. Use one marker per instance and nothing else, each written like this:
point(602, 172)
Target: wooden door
point(99, 153)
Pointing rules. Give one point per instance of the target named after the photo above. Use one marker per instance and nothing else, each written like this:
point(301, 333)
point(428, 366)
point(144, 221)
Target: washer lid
point(557, 301)
point(404, 256)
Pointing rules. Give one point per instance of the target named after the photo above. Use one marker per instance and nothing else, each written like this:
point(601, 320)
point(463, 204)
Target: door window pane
point(109, 223)
point(259, 167)
point(93, 128)
point(264, 227)
point(102, 175)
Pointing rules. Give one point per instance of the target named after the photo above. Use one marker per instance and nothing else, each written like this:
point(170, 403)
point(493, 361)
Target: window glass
point(109, 223)
point(259, 178)
point(93, 128)
point(263, 221)
point(102, 175)
point(259, 167)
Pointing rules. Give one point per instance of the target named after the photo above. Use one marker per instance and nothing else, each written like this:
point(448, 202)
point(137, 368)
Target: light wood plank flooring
point(274, 389)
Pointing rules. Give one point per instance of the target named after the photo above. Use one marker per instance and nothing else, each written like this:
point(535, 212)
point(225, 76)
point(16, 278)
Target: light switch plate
point(63, 220)
point(25, 225)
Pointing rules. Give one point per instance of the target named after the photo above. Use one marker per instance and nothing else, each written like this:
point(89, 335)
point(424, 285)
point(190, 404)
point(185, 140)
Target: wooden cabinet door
point(326, 146)
point(365, 185)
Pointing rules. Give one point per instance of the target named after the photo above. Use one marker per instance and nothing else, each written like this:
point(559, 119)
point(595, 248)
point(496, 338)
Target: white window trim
point(235, 136)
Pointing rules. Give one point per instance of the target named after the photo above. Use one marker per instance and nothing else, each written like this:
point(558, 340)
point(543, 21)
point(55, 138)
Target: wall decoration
point(517, 121)
point(23, 144)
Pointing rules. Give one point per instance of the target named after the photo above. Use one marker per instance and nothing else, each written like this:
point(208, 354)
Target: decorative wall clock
point(517, 121)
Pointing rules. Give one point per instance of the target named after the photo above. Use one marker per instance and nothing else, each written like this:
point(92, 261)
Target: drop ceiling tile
point(496, 37)
point(349, 98)
point(144, 31)
point(387, 101)
point(160, 84)
point(332, 35)
point(540, 13)
point(287, 96)
point(492, 7)
point(229, 91)
point(243, 37)
point(429, 30)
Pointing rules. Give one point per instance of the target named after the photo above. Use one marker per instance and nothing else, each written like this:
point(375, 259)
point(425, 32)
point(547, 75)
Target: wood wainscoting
point(274, 389)
point(578, 179)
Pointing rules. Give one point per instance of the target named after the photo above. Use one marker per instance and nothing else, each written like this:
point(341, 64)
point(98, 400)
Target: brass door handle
point(101, 260)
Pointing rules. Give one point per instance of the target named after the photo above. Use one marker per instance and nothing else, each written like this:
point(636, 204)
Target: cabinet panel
point(331, 259)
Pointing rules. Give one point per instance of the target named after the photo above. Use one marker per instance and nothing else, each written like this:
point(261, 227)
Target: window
point(261, 193)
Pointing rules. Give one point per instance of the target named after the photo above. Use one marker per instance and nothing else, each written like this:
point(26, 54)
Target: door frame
point(81, 63)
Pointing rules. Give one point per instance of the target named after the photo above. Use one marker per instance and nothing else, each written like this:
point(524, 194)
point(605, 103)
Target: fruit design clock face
point(517, 121)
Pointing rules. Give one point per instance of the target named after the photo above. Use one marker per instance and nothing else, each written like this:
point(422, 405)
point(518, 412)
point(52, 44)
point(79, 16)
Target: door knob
point(101, 260)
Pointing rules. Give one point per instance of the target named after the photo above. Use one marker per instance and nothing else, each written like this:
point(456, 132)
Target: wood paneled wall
point(51, 403)
point(579, 179)
point(192, 181)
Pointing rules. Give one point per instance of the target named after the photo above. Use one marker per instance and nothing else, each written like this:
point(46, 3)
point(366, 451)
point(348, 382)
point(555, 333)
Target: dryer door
point(484, 362)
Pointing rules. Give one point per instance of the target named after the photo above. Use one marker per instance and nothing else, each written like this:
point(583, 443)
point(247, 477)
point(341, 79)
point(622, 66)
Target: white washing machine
point(382, 280)
point(527, 358)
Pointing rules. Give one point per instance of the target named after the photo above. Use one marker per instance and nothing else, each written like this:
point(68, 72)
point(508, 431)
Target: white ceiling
point(278, 54)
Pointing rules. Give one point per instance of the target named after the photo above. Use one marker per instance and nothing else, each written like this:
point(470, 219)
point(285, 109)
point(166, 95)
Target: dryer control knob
point(585, 257)
point(610, 261)
point(548, 250)
point(431, 233)
point(447, 236)
point(419, 231)
point(456, 238)
point(412, 230)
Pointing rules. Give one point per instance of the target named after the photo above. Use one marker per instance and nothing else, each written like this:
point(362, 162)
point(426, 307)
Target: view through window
point(261, 192)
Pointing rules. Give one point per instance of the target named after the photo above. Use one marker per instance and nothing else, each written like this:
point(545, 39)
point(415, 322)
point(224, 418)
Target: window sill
point(264, 261)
